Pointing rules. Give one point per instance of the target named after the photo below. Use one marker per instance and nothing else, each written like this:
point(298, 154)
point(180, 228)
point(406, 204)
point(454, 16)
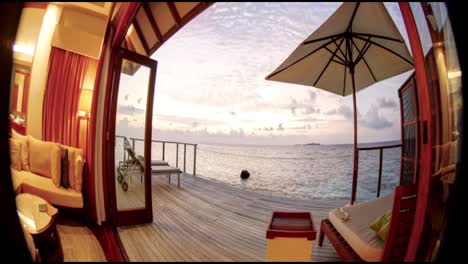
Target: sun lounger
point(352, 237)
point(135, 164)
point(169, 170)
point(158, 163)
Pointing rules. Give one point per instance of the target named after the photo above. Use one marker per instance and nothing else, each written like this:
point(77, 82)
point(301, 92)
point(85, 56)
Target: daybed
point(349, 232)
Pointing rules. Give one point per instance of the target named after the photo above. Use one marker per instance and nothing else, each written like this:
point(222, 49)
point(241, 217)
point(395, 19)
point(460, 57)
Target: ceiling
point(155, 22)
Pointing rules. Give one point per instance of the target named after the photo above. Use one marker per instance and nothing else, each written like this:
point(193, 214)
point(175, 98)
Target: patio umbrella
point(357, 46)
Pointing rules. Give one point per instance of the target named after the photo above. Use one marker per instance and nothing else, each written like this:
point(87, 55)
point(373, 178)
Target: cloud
point(345, 111)
point(293, 106)
point(311, 110)
point(280, 127)
point(129, 110)
point(187, 120)
point(331, 112)
point(387, 103)
point(373, 119)
point(312, 96)
point(310, 119)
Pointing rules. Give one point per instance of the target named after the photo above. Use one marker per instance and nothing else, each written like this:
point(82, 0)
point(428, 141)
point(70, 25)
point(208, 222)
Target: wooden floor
point(134, 197)
point(211, 221)
point(78, 242)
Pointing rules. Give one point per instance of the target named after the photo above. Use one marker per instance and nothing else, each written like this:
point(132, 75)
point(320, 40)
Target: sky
point(211, 87)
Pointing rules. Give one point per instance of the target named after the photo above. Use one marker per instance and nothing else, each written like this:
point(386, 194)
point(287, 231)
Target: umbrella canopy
point(357, 46)
point(360, 38)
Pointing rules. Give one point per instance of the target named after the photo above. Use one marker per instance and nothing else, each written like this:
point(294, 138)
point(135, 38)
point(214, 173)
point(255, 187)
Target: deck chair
point(353, 242)
point(136, 164)
point(127, 168)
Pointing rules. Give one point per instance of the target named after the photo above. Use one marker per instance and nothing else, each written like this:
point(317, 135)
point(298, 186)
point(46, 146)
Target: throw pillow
point(64, 167)
point(75, 168)
point(79, 171)
point(55, 164)
point(43, 152)
point(24, 141)
point(382, 224)
point(15, 154)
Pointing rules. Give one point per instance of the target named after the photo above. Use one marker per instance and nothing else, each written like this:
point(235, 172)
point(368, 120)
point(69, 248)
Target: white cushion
point(356, 231)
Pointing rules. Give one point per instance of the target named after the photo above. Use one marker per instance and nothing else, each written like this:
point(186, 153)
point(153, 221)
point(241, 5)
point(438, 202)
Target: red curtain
point(68, 74)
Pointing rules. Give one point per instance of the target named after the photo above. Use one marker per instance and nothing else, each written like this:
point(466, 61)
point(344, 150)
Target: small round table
point(38, 218)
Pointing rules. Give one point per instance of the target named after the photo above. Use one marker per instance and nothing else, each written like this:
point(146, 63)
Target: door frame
point(136, 216)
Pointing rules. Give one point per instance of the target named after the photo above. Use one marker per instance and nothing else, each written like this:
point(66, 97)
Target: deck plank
point(207, 220)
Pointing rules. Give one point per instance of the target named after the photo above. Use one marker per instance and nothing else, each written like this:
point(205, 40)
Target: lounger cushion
point(45, 188)
point(165, 170)
point(356, 231)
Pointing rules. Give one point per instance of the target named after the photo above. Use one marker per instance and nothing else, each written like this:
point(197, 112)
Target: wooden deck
point(211, 221)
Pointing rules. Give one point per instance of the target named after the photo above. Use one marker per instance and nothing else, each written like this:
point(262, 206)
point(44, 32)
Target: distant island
point(308, 144)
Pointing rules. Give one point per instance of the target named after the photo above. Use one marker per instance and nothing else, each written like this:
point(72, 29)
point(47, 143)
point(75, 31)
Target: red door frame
point(425, 131)
point(122, 27)
point(134, 216)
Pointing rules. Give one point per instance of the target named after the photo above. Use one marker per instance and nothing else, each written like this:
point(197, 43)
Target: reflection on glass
point(130, 133)
point(444, 75)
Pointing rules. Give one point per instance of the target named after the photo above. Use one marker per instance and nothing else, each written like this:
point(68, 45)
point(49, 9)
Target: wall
point(98, 173)
point(80, 32)
point(28, 32)
point(39, 71)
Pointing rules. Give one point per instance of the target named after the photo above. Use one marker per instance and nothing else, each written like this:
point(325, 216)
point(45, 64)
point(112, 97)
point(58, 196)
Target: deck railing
point(133, 140)
point(379, 180)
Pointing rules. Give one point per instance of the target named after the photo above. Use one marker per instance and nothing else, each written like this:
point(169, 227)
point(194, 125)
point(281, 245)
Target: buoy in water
point(244, 174)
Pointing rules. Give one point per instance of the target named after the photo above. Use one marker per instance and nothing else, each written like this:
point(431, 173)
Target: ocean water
point(300, 171)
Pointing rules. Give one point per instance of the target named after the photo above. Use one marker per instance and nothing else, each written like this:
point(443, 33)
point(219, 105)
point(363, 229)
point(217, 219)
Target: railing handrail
point(165, 141)
point(379, 179)
point(163, 150)
point(158, 141)
point(380, 147)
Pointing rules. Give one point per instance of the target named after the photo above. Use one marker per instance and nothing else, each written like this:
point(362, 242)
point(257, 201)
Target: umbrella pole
point(356, 153)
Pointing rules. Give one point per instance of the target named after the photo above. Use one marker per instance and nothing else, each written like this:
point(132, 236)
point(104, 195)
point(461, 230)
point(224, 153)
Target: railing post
point(163, 150)
point(124, 152)
point(185, 150)
point(380, 173)
point(355, 175)
point(194, 158)
point(177, 156)
point(133, 143)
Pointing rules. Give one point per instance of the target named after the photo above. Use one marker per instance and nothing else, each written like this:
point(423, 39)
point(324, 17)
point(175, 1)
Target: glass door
point(130, 137)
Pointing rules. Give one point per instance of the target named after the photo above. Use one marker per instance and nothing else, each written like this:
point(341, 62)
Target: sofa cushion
point(18, 179)
point(75, 168)
point(64, 167)
point(45, 188)
point(43, 157)
point(24, 141)
point(15, 154)
point(55, 165)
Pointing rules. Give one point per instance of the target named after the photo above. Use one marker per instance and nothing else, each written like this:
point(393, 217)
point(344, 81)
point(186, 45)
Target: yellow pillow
point(15, 154)
point(44, 153)
point(24, 141)
point(382, 224)
point(79, 172)
point(55, 165)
